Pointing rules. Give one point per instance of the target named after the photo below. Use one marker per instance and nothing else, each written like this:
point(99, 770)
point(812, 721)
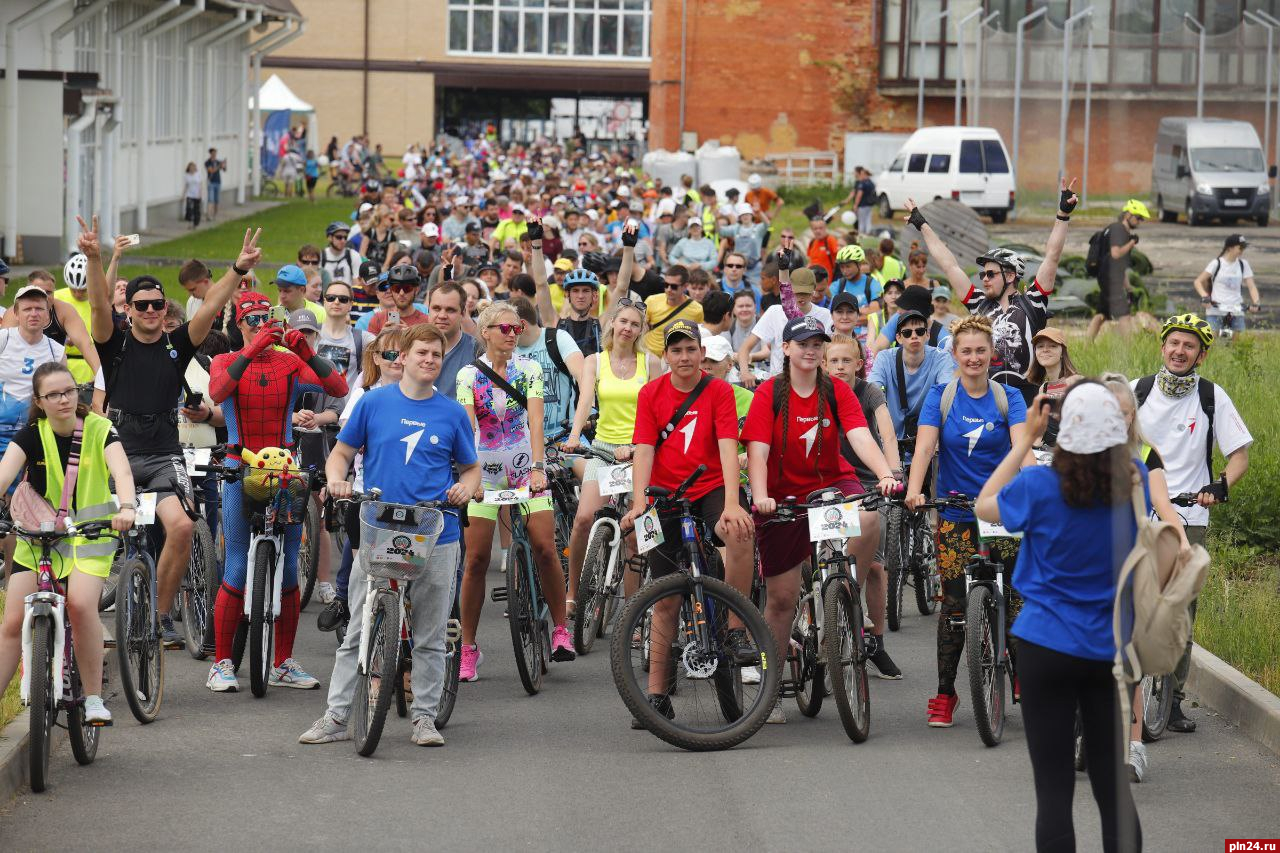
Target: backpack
point(1206, 391)
point(1099, 244)
point(553, 350)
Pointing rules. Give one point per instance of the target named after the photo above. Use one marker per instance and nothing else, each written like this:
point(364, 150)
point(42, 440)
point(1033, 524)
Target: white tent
point(275, 95)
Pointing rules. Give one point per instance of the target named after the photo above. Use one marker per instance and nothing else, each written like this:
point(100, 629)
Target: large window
point(604, 29)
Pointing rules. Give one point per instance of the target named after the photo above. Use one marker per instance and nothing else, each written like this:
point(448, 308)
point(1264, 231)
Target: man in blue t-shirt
point(412, 437)
point(921, 365)
point(561, 379)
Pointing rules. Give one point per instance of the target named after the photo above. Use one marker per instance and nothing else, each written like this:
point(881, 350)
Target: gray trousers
point(431, 598)
point(1196, 535)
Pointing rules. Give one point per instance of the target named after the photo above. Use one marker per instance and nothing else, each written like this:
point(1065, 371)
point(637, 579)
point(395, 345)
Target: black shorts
point(1114, 302)
point(665, 559)
point(311, 182)
point(164, 475)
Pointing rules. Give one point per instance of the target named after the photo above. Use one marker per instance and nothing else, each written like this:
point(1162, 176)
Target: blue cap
point(291, 275)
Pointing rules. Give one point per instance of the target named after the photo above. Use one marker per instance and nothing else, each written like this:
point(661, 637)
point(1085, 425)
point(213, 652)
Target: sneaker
point(168, 635)
point(740, 648)
point(472, 657)
point(562, 645)
point(95, 711)
point(334, 614)
point(1137, 761)
point(1017, 690)
point(326, 592)
point(873, 643)
point(777, 716)
point(1180, 722)
point(222, 677)
point(425, 734)
point(327, 729)
point(941, 710)
point(661, 703)
point(291, 674)
point(884, 666)
point(751, 675)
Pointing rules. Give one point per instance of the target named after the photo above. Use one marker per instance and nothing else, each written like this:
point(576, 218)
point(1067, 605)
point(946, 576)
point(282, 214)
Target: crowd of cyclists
point(492, 305)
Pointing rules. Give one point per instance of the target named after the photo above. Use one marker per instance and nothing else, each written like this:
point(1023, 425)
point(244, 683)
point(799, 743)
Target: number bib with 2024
point(506, 497)
point(837, 521)
point(614, 479)
point(648, 532)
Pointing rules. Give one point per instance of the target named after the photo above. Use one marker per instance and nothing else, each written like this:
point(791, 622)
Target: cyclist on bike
point(503, 395)
point(792, 434)
point(1182, 414)
point(46, 441)
point(146, 412)
point(256, 388)
point(971, 436)
point(390, 424)
point(1220, 284)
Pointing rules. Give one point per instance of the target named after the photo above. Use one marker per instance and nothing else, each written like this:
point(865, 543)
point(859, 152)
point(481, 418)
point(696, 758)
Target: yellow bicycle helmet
point(1188, 323)
point(851, 254)
point(1137, 208)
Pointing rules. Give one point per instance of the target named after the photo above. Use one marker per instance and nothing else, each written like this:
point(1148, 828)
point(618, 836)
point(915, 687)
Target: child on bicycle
point(81, 563)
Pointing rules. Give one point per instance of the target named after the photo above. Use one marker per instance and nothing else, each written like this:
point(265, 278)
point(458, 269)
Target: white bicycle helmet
point(76, 272)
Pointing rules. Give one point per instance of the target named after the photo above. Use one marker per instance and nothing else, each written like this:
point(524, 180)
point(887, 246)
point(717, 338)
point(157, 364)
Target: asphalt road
point(563, 771)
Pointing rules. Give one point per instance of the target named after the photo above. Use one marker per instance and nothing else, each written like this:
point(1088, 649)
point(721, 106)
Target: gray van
point(1210, 168)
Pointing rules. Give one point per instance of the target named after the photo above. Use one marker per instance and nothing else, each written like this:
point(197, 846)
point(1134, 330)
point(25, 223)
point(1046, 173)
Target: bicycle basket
point(396, 540)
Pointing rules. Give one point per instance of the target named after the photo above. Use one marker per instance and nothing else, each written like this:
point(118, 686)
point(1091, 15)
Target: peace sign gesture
point(250, 254)
point(1068, 199)
point(87, 241)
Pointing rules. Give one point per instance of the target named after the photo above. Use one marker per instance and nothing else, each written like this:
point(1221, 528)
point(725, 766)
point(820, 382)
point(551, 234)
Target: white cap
point(753, 181)
point(430, 229)
point(666, 207)
point(365, 208)
point(743, 209)
point(1091, 420)
point(624, 191)
point(461, 199)
point(518, 208)
point(593, 214)
point(559, 200)
point(718, 349)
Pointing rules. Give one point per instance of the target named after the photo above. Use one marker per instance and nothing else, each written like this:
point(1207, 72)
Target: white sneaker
point(95, 711)
point(222, 677)
point(327, 593)
point(751, 675)
point(777, 716)
point(327, 729)
point(1137, 761)
point(291, 674)
point(425, 734)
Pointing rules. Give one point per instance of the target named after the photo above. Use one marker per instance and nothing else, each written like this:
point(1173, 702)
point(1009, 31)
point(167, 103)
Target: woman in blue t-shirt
point(1078, 527)
point(971, 437)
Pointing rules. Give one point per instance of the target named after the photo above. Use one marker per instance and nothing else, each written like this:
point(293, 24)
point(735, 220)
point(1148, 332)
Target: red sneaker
point(941, 709)
point(1017, 690)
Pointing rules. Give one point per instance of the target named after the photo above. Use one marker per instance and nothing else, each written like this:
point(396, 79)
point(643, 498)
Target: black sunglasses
point(339, 299)
point(913, 332)
point(390, 354)
point(990, 274)
point(735, 266)
point(624, 302)
point(148, 305)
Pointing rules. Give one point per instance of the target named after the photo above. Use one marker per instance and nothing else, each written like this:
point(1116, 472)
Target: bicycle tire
point(565, 510)
point(44, 703)
point(526, 630)
point(845, 645)
point(452, 670)
point(401, 695)
point(137, 643)
point(83, 736)
point(261, 620)
point(214, 583)
point(197, 606)
point(986, 674)
point(717, 596)
point(895, 569)
point(925, 569)
point(808, 672)
point(1155, 716)
point(616, 597)
point(591, 594)
point(308, 554)
point(374, 688)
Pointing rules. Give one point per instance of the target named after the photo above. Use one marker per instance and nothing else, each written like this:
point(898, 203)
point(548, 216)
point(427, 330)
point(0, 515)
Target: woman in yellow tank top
point(617, 374)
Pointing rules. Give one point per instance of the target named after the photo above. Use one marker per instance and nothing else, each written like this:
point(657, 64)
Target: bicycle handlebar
point(666, 496)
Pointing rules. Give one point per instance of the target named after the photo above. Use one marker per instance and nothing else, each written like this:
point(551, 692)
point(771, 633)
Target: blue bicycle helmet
point(581, 276)
point(337, 227)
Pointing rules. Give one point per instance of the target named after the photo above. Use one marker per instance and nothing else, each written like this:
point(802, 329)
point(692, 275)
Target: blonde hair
point(1118, 384)
point(972, 324)
point(493, 311)
point(370, 372)
point(606, 327)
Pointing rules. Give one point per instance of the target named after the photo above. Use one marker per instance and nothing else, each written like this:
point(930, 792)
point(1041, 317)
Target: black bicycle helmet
point(336, 226)
point(404, 274)
point(595, 261)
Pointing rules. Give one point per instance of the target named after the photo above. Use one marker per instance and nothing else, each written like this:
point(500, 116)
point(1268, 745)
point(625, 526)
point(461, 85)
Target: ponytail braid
point(782, 401)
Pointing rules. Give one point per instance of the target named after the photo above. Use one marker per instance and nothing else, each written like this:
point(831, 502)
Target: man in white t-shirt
point(768, 329)
point(1221, 283)
point(22, 350)
point(1173, 415)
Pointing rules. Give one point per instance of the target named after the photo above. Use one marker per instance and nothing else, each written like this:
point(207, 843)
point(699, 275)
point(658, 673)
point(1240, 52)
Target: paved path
point(562, 771)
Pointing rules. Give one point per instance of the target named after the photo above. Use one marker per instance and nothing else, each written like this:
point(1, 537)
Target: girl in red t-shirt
point(797, 451)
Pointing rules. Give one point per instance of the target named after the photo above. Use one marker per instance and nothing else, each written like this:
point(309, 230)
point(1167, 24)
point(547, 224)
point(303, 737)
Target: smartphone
point(194, 399)
point(134, 239)
point(393, 318)
point(1052, 405)
point(279, 314)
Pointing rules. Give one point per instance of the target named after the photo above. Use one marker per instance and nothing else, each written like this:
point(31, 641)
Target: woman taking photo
point(983, 421)
point(792, 434)
point(509, 440)
point(46, 441)
point(1067, 581)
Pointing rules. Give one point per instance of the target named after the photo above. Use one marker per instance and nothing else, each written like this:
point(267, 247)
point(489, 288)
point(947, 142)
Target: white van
point(968, 164)
point(1210, 168)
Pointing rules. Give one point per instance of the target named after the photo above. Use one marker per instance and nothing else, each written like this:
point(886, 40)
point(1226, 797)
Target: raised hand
point(87, 241)
point(250, 254)
point(630, 233)
point(297, 344)
point(1068, 198)
point(535, 229)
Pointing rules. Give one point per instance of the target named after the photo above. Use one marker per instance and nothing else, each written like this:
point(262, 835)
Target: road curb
point(13, 756)
point(1236, 697)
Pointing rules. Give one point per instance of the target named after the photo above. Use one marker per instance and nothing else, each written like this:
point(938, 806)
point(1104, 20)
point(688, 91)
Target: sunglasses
point(509, 328)
point(624, 302)
point(253, 321)
point(403, 288)
point(735, 266)
point(990, 274)
point(148, 305)
point(343, 300)
point(914, 332)
point(390, 354)
point(672, 284)
point(338, 237)
point(312, 262)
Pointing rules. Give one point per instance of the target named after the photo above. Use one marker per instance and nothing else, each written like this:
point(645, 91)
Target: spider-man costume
point(257, 388)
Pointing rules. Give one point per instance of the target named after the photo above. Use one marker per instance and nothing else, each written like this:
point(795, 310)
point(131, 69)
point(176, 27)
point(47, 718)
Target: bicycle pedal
point(498, 593)
point(100, 724)
point(789, 690)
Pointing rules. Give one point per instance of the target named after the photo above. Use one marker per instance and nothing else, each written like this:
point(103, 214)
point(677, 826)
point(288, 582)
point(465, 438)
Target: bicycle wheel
point(565, 510)
point(699, 721)
point(401, 694)
point(1157, 706)
point(82, 735)
point(847, 660)
point(924, 568)
point(808, 671)
point(213, 582)
point(615, 597)
point(381, 666)
point(986, 674)
point(896, 552)
point(452, 669)
point(309, 554)
point(138, 642)
point(44, 702)
point(197, 607)
point(591, 591)
point(526, 626)
point(261, 619)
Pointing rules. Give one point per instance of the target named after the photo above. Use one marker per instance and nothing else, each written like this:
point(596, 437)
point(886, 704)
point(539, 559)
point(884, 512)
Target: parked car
point(1210, 168)
point(968, 164)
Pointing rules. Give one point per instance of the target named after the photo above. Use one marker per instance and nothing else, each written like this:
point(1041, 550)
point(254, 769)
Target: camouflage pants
point(957, 543)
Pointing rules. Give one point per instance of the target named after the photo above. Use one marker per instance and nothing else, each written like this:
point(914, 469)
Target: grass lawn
point(9, 704)
point(284, 229)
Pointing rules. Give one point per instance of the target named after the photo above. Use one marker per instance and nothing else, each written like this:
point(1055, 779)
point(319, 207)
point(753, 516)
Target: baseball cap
point(843, 299)
point(896, 283)
point(636, 206)
point(718, 349)
point(250, 301)
point(515, 208)
point(681, 329)
point(564, 264)
point(666, 207)
point(1235, 240)
point(143, 282)
point(430, 229)
point(624, 191)
point(28, 290)
point(911, 314)
point(942, 292)
point(753, 181)
point(804, 328)
point(742, 209)
point(473, 228)
point(291, 275)
point(488, 265)
point(365, 208)
point(303, 320)
point(369, 270)
point(802, 280)
point(1050, 333)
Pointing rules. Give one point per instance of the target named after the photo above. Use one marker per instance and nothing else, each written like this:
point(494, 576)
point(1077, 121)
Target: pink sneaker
point(471, 658)
point(562, 645)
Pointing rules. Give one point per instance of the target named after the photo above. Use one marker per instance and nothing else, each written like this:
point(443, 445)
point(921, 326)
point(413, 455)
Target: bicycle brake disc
point(699, 664)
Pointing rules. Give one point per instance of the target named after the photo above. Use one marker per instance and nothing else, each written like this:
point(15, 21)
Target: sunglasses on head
point(624, 302)
point(990, 274)
point(913, 332)
point(343, 300)
point(148, 305)
point(508, 328)
point(390, 354)
point(253, 321)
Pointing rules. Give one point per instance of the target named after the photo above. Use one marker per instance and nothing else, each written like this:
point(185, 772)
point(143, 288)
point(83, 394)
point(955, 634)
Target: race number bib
point(506, 497)
point(146, 512)
point(837, 521)
point(196, 456)
point(648, 532)
point(987, 530)
point(614, 479)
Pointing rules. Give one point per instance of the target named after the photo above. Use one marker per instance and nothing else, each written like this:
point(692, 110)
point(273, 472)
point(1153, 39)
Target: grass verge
point(9, 703)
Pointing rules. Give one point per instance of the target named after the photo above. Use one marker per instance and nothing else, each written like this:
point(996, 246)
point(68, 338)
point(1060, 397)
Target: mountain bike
point(909, 557)
point(137, 622)
point(564, 503)
point(691, 615)
point(528, 615)
point(600, 588)
point(199, 589)
point(50, 677)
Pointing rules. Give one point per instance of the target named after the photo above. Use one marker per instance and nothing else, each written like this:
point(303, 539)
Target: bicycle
point(827, 635)
point(564, 503)
point(200, 582)
point(698, 608)
point(600, 587)
point(528, 614)
point(909, 556)
point(137, 621)
point(50, 676)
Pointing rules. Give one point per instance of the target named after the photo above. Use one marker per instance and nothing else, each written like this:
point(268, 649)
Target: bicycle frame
point(983, 571)
point(520, 539)
point(47, 600)
point(267, 527)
